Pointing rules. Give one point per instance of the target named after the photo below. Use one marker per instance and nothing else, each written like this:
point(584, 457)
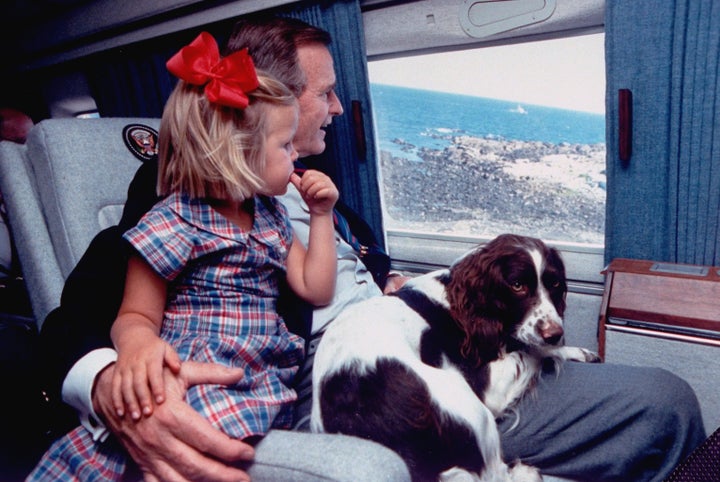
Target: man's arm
point(176, 442)
point(90, 300)
point(81, 324)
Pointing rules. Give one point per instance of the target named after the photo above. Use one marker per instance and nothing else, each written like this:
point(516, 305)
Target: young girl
point(210, 258)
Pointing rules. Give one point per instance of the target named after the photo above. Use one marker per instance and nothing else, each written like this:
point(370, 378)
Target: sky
point(567, 73)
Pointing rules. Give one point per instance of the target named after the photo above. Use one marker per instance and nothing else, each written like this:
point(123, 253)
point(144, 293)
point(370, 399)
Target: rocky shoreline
point(491, 185)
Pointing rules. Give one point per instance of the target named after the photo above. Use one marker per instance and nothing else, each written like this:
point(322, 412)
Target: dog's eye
point(517, 286)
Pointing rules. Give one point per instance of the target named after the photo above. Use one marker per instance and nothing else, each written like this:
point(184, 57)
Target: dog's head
point(508, 291)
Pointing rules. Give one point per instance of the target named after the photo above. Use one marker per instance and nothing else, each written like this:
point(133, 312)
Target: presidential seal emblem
point(141, 140)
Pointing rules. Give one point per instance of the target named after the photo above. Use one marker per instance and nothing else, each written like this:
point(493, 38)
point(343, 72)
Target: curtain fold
point(664, 204)
point(131, 81)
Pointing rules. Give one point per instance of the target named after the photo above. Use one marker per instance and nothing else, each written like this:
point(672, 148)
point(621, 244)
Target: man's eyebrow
point(331, 85)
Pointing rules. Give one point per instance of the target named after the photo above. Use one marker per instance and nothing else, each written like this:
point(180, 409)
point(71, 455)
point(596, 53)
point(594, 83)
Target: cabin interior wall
point(402, 28)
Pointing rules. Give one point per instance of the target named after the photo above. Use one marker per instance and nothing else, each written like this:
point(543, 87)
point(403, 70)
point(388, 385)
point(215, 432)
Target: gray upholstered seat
point(29, 230)
point(67, 183)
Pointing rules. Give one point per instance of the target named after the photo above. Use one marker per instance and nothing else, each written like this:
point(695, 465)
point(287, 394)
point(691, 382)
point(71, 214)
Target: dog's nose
point(550, 332)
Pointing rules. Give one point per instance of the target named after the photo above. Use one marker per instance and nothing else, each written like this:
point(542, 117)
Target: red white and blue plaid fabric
point(222, 294)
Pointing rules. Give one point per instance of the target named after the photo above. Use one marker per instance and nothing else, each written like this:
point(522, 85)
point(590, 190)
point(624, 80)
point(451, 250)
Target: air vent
point(482, 18)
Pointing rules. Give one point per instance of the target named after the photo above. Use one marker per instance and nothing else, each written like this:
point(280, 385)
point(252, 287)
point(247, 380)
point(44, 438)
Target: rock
point(492, 185)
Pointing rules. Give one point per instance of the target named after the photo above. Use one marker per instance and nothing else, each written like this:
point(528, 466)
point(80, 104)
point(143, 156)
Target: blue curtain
point(130, 82)
point(664, 202)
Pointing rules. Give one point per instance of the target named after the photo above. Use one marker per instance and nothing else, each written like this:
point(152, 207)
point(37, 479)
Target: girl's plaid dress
point(223, 286)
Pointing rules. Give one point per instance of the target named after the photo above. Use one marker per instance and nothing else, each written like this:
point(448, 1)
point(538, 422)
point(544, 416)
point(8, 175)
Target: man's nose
point(336, 107)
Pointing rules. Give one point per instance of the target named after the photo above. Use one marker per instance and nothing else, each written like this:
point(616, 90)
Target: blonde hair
point(211, 151)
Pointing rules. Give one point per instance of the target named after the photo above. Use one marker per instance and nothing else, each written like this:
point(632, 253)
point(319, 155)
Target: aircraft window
point(496, 139)
point(88, 115)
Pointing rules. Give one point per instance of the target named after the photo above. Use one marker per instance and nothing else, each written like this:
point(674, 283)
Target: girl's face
point(280, 154)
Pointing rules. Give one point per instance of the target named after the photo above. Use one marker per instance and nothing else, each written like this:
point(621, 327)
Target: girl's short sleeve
point(164, 240)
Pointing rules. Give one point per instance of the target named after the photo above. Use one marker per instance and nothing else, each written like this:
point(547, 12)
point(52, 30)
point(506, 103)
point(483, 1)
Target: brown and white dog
point(426, 370)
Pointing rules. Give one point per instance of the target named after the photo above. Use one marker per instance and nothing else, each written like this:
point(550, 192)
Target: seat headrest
point(82, 169)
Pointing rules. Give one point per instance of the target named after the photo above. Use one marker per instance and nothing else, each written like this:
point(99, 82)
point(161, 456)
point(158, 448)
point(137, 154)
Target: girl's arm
point(312, 272)
point(142, 355)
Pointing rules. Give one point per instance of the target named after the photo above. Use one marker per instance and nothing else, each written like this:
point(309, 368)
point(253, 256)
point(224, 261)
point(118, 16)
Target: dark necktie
point(343, 227)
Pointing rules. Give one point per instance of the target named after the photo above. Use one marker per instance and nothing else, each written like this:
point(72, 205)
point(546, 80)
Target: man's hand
point(394, 283)
point(176, 443)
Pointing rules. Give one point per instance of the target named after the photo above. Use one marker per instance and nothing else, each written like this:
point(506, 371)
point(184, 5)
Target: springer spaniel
point(428, 369)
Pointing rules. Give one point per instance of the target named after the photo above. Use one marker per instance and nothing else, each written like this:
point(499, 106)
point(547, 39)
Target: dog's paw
point(520, 472)
point(456, 474)
point(575, 353)
point(590, 356)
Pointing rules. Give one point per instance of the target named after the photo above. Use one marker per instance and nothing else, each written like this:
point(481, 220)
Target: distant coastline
point(489, 185)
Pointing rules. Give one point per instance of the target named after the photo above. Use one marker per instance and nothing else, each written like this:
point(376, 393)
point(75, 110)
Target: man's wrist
point(77, 390)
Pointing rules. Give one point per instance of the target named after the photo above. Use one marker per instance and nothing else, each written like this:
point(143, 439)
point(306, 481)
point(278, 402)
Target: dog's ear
point(469, 294)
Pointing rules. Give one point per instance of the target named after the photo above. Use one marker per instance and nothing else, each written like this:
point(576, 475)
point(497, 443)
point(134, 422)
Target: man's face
point(318, 102)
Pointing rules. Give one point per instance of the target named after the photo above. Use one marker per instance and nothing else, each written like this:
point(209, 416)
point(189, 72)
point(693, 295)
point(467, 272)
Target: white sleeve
point(78, 385)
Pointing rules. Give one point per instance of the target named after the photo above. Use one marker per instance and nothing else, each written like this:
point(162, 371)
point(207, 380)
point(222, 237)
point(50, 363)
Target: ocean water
point(428, 119)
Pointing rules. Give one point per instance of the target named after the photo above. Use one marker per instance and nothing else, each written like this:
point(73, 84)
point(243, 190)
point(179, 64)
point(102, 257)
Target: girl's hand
point(317, 190)
point(138, 382)
point(177, 443)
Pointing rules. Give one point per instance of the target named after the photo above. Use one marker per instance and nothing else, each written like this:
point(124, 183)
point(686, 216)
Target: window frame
point(430, 27)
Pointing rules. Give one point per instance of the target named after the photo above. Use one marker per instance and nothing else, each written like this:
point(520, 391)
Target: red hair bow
point(227, 81)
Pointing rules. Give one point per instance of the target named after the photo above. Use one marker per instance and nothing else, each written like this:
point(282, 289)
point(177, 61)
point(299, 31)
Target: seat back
point(31, 239)
point(66, 184)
